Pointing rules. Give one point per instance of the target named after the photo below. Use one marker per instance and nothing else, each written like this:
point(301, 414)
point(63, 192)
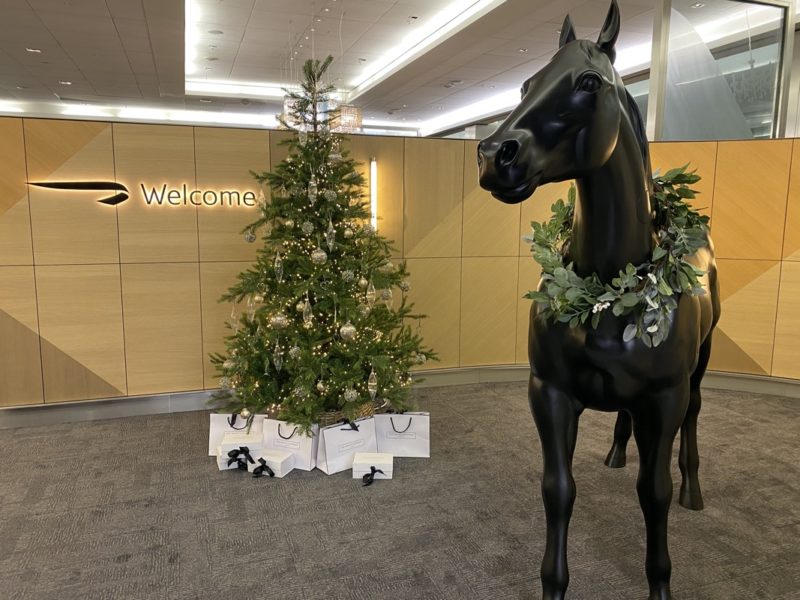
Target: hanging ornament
point(282, 190)
point(364, 309)
point(308, 315)
point(421, 359)
point(387, 297)
point(378, 336)
point(294, 191)
point(262, 197)
point(363, 283)
point(321, 387)
point(225, 383)
point(312, 190)
point(335, 155)
point(288, 223)
point(299, 392)
point(405, 286)
point(250, 236)
point(307, 227)
point(386, 267)
point(350, 395)
point(300, 306)
point(258, 298)
point(266, 366)
point(355, 201)
point(372, 384)
point(245, 413)
point(318, 256)
point(348, 233)
point(330, 235)
point(331, 195)
point(370, 295)
point(302, 137)
point(294, 352)
point(278, 267)
point(277, 358)
point(228, 364)
point(347, 331)
point(368, 229)
point(279, 321)
point(348, 276)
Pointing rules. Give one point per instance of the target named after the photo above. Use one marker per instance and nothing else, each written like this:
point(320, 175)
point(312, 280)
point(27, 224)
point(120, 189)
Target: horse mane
point(638, 128)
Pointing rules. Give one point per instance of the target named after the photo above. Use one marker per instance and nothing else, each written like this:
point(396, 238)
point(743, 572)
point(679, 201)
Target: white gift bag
point(339, 443)
point(220, 424)
point(407, 434)
point(280, 435)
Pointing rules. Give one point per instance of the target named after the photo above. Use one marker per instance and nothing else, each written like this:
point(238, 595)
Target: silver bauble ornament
point(421, 359)
point(347, 331)
point(279, 321)
point(348, 276)
point(288, 223)
point(350, 395)
point(318, 256)
point(300, 306)
point(363, 283)
point(386, 267)
point(258, 298)
point(245, 413)
point(364, 309)
point(330, 195)
point(307, 227)
point(294, 352)
point(348, 233)
point(368, 229)
point(250, 236)
point(228, 364)
point(225, 383)
point(405, 286)
point(387, 297)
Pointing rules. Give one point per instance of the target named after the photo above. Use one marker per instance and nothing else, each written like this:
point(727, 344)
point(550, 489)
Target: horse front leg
point(616, 458)
point(689, 458)
point(556, 417)
point(655, 425)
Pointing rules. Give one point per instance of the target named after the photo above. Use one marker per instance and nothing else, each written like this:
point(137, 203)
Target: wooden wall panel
point(155, 155)
point(529, 274)
point(224, 158)
point(785, 361)
point(389, 154)
point(744, 337)
point(791, 242)
point(436, 292)
point(433, 176)
point(215, 279)
point(20, 357)
point(80, 316)
point(163, 332)
point(71, 151)
point(490, 227)
point(488, 310)
point(15, 221)
point(701, 156)
point(277, 150)
point(750, 198)
point(537, 208)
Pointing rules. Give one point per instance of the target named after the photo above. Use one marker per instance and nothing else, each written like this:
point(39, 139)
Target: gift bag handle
point(286, 437)
point(391, 420)
point(232, 422)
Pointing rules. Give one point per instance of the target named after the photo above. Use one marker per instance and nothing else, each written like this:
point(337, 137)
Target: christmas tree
point(320, 335)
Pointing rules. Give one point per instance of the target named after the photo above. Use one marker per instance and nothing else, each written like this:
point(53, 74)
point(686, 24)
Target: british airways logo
point(156, 195)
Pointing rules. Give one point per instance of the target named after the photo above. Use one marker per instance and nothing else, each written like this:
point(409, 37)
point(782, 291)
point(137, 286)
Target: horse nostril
point(507, 153)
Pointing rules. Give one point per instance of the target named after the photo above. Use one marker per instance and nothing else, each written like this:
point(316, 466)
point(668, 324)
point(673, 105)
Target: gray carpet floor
point(133, 508)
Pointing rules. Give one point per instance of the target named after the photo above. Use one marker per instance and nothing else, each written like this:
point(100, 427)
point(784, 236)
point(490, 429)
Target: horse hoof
point(660, 595)
point(690, 500)
point(616, 459)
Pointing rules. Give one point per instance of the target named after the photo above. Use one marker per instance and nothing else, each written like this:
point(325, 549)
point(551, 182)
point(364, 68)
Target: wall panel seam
point(199, 276)
point(33, 257)
point(119, 266)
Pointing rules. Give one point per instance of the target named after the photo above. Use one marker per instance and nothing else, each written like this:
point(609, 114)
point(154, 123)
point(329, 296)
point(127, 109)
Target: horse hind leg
point(689, 459)
point(617, 458)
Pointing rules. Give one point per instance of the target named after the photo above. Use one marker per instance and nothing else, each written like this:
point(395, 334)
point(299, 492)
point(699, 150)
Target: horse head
point(567, 122)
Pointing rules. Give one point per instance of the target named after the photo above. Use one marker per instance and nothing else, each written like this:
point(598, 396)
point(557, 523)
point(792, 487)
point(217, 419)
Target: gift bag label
point(293, 444)
point(392, 435)
point(352, 445)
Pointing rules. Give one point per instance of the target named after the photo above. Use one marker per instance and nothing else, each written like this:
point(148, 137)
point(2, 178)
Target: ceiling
point(144, 54)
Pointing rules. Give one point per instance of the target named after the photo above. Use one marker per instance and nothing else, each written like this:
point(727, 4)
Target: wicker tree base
point(335, 416)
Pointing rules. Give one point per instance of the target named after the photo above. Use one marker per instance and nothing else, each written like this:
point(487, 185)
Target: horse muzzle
point(502, 172)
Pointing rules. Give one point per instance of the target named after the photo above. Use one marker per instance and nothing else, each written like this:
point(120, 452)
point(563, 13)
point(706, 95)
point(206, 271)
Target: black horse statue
point(577, 121)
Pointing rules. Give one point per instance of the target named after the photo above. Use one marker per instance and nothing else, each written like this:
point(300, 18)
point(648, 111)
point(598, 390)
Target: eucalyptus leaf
point(629, 333)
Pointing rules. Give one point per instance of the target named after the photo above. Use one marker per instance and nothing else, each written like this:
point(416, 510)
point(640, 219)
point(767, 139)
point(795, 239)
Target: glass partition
point(723, 70)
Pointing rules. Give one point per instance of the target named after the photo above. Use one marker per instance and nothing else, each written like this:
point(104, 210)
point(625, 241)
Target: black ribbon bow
point(351, 425)
point(264, 468)
point(368, 478)
point(240, 455)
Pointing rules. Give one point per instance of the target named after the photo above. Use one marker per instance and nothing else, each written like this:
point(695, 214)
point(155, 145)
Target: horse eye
point(590, 83)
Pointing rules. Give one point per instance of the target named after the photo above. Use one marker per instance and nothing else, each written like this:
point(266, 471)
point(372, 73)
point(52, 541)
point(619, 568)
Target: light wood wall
point(99, 301)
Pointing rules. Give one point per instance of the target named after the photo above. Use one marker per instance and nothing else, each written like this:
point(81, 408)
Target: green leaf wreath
point(648, 291)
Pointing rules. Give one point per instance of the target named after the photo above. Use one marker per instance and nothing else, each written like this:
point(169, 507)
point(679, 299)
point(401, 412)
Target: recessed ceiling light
point(523, 50)
point(313, 30)
point(362, 60)
point(327, 10)
point(22, 87)
point(697, 5)
point(318, 20)
point(215, 31)
point(33, 50)
point(211, 58)
point(205, 100)
point(212, 47)
point(65, 82)
point(306, 37)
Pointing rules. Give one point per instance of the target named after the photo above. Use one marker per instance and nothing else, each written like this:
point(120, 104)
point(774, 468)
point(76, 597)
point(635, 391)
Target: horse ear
point(610, 31)
point(567, 32)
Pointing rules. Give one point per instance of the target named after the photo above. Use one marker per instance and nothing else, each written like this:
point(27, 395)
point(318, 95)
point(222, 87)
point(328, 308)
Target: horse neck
point(613, 223)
